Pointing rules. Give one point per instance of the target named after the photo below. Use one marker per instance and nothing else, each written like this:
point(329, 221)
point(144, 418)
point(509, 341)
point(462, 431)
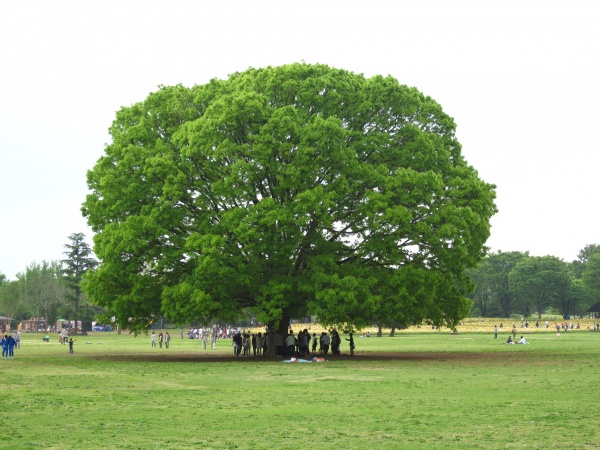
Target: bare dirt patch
point(467, 358)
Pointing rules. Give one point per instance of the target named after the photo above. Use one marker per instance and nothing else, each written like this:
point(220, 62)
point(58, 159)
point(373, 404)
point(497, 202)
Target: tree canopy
point(291, 190)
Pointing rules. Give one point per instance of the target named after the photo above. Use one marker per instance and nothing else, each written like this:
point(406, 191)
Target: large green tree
point(79, 259)
point(290, 190)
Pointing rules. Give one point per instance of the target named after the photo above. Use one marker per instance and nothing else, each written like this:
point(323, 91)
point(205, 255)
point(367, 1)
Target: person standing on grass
point(303, 342)
point(325, 340)
point(351, 345)
point(71, 345)
point(167, 339)
point(11, 346)
point(153, 339)
point(495, 332)
point(314, 343)
point(5, 347)
point(246, 344)
point(204, 340)
point(259, 343)
point(237, 343)
point(290, 343)
point(160, 339)
point(335, 342)
point(213, 341)
point(18, 339)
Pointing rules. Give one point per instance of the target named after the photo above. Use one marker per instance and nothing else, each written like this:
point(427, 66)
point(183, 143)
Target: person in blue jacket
point(11, 346)
point(4, 347)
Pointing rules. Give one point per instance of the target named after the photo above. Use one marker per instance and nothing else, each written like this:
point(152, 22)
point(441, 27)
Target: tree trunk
point(393, 332)
point(379, 331)
point(270, 337)
point(282, 328)
point(76, 310)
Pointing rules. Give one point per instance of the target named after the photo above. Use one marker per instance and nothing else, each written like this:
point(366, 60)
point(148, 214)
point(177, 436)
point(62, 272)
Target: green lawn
point(423, 390)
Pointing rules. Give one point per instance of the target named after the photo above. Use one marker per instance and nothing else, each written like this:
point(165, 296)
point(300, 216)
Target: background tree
point(576, 300)
point(10, 300)
point(42, 289)
point(591, 275)
point(578, 266)
point(79, 259)
point(482, 295)
point(540, 282)
point(493, 295)
point(296, 190)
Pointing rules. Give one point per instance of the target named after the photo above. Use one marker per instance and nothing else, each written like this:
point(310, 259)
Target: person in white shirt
point(290, 342)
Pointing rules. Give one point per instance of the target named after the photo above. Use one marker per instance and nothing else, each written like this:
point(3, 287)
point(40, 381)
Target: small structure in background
point(34, 324)
point(5, 322)
point(594, 311)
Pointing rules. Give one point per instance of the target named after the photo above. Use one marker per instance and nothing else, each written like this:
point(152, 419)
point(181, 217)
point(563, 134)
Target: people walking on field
point(18, 339)
point(11, 346)
point(213, 341)
point(160, 339)
point(5, 347)
point(495, 332)
point(153, 339)
point(167, 339)
point(71, 345)
point(314, 343)
point(514, 332)
point(204, 340)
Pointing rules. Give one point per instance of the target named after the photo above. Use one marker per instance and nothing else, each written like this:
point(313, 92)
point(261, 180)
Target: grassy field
point(415, 390)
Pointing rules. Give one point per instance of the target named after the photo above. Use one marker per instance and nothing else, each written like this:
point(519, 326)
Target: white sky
point(521, 79)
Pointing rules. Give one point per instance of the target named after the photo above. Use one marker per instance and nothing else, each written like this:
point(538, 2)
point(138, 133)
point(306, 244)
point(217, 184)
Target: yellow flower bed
point(469, 325)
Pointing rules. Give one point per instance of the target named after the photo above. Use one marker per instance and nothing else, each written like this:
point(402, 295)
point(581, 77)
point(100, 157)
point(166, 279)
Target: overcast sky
point(520, 78)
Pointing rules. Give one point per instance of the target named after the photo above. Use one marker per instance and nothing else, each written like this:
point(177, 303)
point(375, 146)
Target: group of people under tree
point(302, 344)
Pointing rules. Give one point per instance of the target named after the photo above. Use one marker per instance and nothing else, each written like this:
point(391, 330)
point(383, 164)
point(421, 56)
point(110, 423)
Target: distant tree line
point(509, 283)
point(505, 283)
point(52, 289)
